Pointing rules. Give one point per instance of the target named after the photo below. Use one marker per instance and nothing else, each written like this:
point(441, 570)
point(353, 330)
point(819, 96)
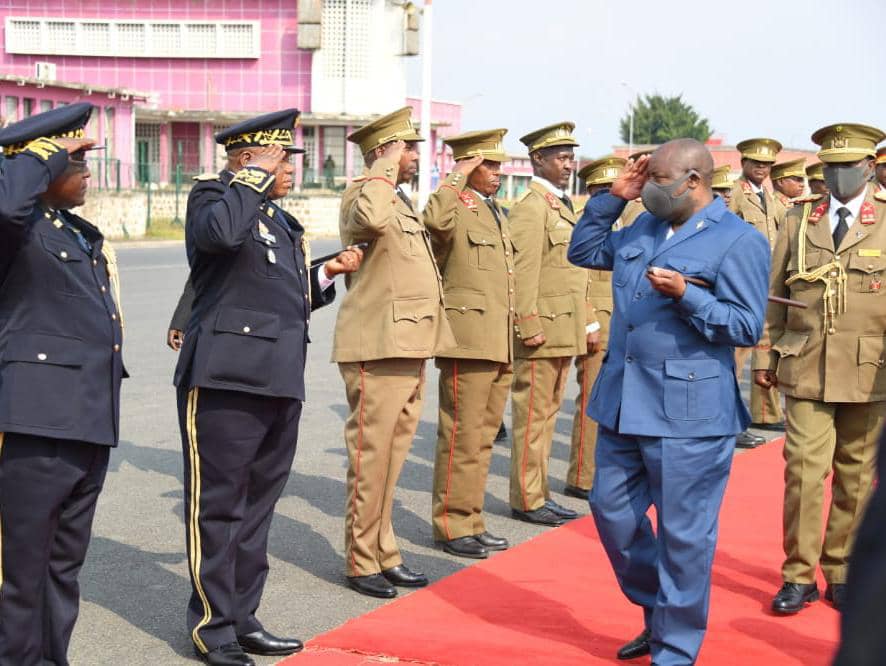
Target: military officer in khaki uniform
point(754, 204)
point(390, 321)
point(553, 312)
point(721, 183)
point(598, 176)
point(828, 359)
point(473, 248)
point(788, 183)
point(880, 168)
point(815, 178)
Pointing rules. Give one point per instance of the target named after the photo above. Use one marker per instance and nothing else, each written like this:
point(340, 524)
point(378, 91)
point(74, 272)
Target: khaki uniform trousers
point(536, 394)
point(584, 429)
point(385, 399)
point(473, 395)
point(824, 437)
point(765, 403)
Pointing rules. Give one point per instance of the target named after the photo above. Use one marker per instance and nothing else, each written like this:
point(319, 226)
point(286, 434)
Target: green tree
point(658, 119)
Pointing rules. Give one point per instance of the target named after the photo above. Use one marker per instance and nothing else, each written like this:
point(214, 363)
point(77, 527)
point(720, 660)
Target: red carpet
point(554, 600)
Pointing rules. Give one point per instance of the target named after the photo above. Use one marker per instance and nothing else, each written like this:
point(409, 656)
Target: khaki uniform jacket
point(394, 304)
point(818, 357)
point(746, 204)
point(553, 296)
point(476, 258)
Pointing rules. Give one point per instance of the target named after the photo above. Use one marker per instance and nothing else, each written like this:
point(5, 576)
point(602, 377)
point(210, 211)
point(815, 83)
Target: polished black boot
point(466, 546)
point(793, 597)
point(374, 585)
point(492, 542)
point(636, 648)
point(403, 576)
point(265, 644)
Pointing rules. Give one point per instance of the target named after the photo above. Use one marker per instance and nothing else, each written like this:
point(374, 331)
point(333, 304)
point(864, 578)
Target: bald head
point(675, 158)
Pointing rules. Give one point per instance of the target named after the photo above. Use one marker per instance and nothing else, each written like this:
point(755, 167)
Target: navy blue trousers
point(666, 572)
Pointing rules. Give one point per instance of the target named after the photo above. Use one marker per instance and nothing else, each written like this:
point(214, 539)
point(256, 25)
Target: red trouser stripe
point(527, 436)
point(451, 448)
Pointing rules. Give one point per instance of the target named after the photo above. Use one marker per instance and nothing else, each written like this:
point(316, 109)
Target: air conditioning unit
point(45, 71)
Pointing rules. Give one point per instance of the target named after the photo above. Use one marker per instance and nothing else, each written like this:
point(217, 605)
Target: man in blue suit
point(690, 284)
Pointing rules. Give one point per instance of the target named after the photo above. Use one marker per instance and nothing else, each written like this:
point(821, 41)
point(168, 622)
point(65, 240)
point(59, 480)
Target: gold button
point(512, 309)
point(510, 272)
point(833, 273)
point(463, 308)
point(41, 356)
point(116, 348)
point(511, 291)
point(507, 254)
point(63, 254)
point(870, 267)
point(831, 331)
point(246, 329)
point(836, 256)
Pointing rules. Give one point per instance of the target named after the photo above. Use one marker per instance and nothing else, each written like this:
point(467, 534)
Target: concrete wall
point(124, 214)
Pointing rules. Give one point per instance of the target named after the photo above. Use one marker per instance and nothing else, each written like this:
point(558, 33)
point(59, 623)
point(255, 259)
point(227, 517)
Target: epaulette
point(552, 200)
point(746, 187)
point(580, 210)
point(207, 176)
point(809, 198)
point(880, 196)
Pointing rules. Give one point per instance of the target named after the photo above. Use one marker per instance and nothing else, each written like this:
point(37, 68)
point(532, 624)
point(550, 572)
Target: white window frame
point(118, 48)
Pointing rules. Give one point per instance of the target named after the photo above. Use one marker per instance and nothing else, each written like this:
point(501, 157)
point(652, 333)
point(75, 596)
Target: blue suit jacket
point(670, 369)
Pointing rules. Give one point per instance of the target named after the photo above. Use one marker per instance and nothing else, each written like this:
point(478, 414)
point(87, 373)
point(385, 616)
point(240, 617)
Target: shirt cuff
point(593, 327)
point(324, 280)
point(693, 298)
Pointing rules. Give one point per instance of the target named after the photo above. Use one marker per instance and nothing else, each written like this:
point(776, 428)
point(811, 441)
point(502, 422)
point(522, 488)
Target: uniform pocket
point(41, 377)
point(482, 248)
point(691, 389)
point(414, 323)
point(557, 315)
point(626, 264)
point(242, 347)
point(412, 235)
point(465, 310)
point(789, 347)
point(66, 260)
point(559, 243)
point(866, 273)
point(871, 358)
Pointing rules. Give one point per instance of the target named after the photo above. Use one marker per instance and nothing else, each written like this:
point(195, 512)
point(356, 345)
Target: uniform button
point(63, 254)
point(832, 331)
point(836, 256)
point(629, 359)
point(638, 295)
point(512, 309)
point(116, 348)
point(510, 272)
point(306, 294)
point(691, 375)
point(511, 291)
point(833, 273)
point(103, 288)
point(246, 329)
point(114, 316)
point(870, 267)
point(95, 262)
point(463, 308)
point(507, 254)
point(630, 327)
point(41, 356)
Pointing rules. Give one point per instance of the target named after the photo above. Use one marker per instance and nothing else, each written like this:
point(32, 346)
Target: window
point(45, 105)
point(309, 144)
point(27, 107)
point(334, 146)
point(11, 110)
point(345, 38)
point(147, 145)
point(134, 39)
point(220, 157)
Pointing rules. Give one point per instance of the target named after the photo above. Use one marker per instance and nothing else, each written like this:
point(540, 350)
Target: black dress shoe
point(539, 516)
point(374, 585)
point(778, 426)
point(492, 542)
point(836, 594)
point(230, 654)
point(793, 597)
point(263, 643)
point(747, 440)
point(403, 576)
point(575, 491)
point(502, 434)
point(466, 546)
point(561, 511)
point(636, 648)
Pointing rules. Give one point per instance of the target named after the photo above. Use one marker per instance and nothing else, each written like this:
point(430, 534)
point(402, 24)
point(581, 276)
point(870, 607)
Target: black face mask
point(661, 202)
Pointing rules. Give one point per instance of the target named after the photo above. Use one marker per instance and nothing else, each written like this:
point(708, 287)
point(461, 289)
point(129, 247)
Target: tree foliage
point(658, 119)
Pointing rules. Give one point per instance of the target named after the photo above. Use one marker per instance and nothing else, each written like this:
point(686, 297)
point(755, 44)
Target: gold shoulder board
point(207, 176)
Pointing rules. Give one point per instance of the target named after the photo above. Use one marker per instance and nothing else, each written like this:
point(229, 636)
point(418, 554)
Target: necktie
point(494, 212)
point(842, 226)
point(402, 195)
point(567, 202)
point(762, 198)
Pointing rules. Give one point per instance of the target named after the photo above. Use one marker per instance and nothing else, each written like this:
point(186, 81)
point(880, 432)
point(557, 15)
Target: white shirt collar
point(854, 207)
point(556, 191)
point(482, 196)
point(756, 188)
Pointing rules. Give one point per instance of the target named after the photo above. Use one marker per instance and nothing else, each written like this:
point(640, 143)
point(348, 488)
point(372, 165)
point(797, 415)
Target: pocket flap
point(61, 250)
point(253, 323)
point(479, 238)
point(554, 306)
point(414, 309)
point(870, 350)
point(464, 301)
point(691, 370)
point(630, 252)
point(790, 343)
point(867, 264)
point(560, 236)
point(686, 265)
point(43, 348)
point(409, 225)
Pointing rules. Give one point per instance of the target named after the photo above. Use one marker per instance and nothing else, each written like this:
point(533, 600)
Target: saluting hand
point(393, 150)
point(632, 179)
point(466, 167)
point(267, 157)
point(75, 145)
point(347, 261)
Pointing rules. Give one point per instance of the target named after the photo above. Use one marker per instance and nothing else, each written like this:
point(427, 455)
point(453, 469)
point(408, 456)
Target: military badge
point(819, 211)
point(553, 201)
point(266, 234)
point(868, 214)
point(875, 284)
point(467, 198)
point(272, 257)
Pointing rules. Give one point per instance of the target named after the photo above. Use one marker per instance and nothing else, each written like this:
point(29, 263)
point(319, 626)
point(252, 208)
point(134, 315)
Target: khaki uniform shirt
point(836, 357)
point(476, 257)
point(746, 204)
point(394, 304)
point(553, 296)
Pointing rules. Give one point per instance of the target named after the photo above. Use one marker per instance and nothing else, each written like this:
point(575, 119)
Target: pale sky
point(751, 67)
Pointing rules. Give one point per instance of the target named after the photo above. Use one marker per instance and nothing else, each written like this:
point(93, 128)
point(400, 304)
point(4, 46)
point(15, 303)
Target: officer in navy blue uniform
point(666, 399)
point(240, 379)
point(60, 344)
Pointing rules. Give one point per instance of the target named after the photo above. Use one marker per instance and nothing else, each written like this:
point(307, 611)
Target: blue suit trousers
point(666, 572)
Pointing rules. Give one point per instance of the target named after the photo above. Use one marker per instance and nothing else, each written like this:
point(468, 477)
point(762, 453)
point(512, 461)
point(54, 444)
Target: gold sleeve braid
point(113, 277)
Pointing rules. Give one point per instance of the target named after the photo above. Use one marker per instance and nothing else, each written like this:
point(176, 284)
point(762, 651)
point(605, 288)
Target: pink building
point(202, 65)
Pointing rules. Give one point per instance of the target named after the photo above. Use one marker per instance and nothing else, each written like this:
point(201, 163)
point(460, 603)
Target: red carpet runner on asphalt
point(554, 600)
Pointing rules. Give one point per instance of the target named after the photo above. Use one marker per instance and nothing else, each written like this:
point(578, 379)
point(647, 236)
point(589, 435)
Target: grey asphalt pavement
point(135, 584)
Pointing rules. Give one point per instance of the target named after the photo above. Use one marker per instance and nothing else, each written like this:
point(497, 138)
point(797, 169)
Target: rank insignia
point(57, 224)
point(266, 234)
point(467, 198)
point(553, 201)
point(820, 210)
point(272, 257)
point(700, 224)
point(875, 284)
point(868, 214)
point(746, 187)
